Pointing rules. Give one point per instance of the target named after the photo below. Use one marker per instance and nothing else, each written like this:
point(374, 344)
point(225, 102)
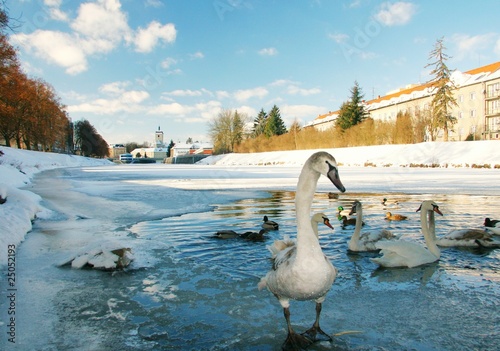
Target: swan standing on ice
point(365, 241)
point(400, 253)
point(304, 273)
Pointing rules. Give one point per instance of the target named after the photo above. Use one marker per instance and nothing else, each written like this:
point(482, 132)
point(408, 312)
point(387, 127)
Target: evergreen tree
point(169, 148)
point(259, 123)
point(443, 99)
point(274, 125)
point(353, 111)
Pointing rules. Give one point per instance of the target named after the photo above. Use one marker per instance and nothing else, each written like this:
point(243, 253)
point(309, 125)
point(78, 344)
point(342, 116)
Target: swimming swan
point(304, 273)
point(365, 241)
point(400, 253)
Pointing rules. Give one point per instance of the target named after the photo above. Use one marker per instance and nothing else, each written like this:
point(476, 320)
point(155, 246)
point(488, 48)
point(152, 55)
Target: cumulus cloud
point(295, 90)
point(146, 38)
point(396, 14)
point(468, 46)
point(244, 95)
point(98, 28)
point(55, 47)
point(268, 52)
point(196, 55)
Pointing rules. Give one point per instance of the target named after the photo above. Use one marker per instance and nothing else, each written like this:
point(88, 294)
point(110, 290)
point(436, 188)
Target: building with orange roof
point(477, 96)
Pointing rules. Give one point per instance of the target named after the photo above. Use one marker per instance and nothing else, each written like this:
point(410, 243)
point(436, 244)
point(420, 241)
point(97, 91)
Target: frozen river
point(188, 291)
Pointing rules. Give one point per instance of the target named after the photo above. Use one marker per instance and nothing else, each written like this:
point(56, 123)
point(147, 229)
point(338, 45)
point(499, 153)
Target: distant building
point(477, 113)
point(183, 149)
point(158, 153)
point(115, 150)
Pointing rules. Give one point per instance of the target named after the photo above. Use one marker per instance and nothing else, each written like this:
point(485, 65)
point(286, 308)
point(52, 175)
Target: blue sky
point(129, 66)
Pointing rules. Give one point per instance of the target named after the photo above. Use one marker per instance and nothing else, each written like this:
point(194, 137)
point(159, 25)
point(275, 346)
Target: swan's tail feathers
point(280, 245)
point(262, 283)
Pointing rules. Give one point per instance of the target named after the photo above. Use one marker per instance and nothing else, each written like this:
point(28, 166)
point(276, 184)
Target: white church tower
point(159, 138)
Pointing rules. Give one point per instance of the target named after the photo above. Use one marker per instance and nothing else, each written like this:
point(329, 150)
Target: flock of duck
point(301, 271)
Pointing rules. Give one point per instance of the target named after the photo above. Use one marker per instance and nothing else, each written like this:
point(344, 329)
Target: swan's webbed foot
point(296, 342)
point(315, 333)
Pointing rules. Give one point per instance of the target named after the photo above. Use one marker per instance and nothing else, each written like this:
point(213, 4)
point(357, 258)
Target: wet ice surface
point(189, 291)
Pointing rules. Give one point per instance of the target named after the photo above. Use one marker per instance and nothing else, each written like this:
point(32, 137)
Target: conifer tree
point(274, 125)
point(353, 111)
point(259, 123)
point(443, 99)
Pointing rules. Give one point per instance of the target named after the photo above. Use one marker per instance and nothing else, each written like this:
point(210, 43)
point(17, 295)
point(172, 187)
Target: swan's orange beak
point(326, 221)
point(436, 209)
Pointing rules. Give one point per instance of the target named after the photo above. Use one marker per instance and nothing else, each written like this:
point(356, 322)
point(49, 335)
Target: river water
point(187, 290)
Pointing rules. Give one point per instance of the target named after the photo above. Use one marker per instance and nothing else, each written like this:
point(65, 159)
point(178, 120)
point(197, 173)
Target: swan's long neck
point(307, 241)
point(429, 233)
point(359, 223)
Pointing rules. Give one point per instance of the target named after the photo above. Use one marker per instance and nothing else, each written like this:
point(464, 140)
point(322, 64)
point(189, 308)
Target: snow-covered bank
point(436, 154)
point(17, 169)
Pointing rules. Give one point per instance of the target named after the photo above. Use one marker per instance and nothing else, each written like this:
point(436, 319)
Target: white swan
point(280, 245)
point(468, 238)
point(492, 225)
point(365, 241)
point(400, 253)
point(304, 273)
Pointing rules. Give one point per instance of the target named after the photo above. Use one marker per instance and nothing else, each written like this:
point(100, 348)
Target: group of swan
point(400, 253)
point(302, 271)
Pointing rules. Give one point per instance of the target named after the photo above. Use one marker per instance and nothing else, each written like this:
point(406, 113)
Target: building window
point(473, 96)
point(472, 113)
point(460, 114)
point(460, 98)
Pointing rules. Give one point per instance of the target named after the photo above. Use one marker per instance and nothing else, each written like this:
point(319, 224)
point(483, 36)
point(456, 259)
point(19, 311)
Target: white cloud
point(168, 62)
point(468, 46)
point(115, 88)
point(268, 52)
point(55, 47)
point(181, 93)
point(295, 90)
point(339, 37)
point(300, 112)
point(134, 96)
point(396, 14)
point(146, 39)
point(196, 55)
point(243, 95)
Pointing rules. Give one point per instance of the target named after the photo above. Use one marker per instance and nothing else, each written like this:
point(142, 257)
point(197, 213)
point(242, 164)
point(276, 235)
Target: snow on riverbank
point(18, 167)
point(438, 154)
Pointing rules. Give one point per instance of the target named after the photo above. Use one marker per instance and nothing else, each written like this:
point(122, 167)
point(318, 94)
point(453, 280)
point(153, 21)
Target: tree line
point(352, 127)
point(31, 113)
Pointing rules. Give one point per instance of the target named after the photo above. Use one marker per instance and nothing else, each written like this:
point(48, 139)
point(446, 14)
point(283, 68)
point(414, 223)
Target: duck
point(332, 195)
point(492, 225)
point(254, 236)
point(302, 272)
point(268, 224)
point(366, 241)
point(395, 203)
point(342, 212)
point(226, 234)
point(395, 217)
point(280, 245)
point(348, 221)
point(401, 253)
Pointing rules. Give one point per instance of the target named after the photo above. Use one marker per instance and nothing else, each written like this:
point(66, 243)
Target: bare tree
point(226, 130)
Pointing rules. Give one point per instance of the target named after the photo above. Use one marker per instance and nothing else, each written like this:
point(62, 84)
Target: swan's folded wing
point(411, 253)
